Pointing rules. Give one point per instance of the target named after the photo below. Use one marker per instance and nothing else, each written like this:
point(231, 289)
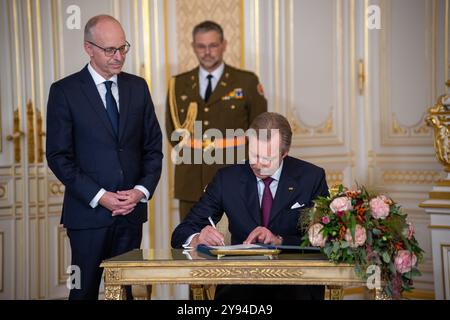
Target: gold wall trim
point(446, 35)
point(30, 133)
point(242, 34)
point(1, 127)
point(55, 39)
point(3, 191)
point(393, 132)
point(434, 205)
point(439, 227)
point(445, 248)
point(62, 275)
point(425, 177)
point(146, 34)
point(2, 260)
point(440, 195)
point(56, 189)
point(325, 133)
point(16, 54)
point(276, 45)
point(334, 177)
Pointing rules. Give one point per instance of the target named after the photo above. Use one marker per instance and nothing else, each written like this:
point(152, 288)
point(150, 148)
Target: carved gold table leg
point(381, 295)
point(334, 292)
point(198, 292)
point(141, 292)
point(114, 292)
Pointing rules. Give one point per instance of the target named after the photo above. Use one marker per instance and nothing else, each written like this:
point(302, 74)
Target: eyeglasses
point(202, 47)
point(111, 51)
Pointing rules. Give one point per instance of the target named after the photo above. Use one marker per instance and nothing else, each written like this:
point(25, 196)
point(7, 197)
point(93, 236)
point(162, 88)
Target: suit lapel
point(223, 86)
point(249, 193)
point(287, 187)
point(90, 90)
point(124, 102)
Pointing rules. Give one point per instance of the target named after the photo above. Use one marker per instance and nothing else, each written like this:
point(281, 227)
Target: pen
point(214, 226)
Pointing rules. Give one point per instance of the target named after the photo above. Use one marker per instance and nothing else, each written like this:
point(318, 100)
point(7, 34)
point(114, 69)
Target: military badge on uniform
point(260, 89)
point(237, 93)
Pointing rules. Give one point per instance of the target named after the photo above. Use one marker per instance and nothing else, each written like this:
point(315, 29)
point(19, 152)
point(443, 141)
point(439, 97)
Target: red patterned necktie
point(266, 203)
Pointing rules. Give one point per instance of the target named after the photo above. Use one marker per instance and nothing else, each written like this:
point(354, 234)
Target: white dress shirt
point(203, 78)
point(273, 185)
point(99, 83)
point(273, 189)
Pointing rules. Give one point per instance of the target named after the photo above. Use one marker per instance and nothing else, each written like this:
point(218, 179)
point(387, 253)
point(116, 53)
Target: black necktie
point(208, 88)
point(111, 108)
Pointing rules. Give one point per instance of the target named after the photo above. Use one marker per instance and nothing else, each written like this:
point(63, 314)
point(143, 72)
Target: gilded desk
point(146, 267)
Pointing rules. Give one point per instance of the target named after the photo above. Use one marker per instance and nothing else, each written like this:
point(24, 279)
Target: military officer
point(215, 95)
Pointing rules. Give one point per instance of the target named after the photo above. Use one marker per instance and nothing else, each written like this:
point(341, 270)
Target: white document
point(238, 247)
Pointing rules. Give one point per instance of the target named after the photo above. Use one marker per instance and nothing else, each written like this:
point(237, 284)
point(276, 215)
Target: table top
point(174, 256)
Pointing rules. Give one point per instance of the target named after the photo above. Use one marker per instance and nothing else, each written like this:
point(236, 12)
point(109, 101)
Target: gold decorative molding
point(112, 275)
point(301, 129)
point(246, 273)
point(114, 292)
point(439, 118)
point(56, 188)
point(334, 292)
point(16, 136)
point(425, 177)
point(30, 133)
point(1, 128)
point(445, 251)
point(62, 236)
point(2, 260)
point(40, 137)
point(420, 129)
point(3, 191)
point(334, 177)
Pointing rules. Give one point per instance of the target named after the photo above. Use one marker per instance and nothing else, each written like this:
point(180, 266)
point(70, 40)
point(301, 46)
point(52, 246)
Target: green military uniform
point(236, 100)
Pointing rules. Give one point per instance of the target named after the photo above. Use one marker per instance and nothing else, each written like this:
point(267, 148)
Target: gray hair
point(206, 26)
point(266, 122)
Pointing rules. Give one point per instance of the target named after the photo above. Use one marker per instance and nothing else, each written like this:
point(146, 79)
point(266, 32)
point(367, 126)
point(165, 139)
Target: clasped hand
point(121, 202)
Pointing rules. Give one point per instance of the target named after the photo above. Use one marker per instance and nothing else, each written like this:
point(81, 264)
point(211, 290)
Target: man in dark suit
point(262, 199)
point(104, 145)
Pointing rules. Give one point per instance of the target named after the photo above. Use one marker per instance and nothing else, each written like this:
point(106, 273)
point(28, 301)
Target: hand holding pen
point(214, 226)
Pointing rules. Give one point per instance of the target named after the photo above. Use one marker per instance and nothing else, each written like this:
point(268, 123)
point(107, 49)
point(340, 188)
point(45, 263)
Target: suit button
point(206, 109)
point(120, 150)
point(121, 172)
point(206, 123)
point(182, 110)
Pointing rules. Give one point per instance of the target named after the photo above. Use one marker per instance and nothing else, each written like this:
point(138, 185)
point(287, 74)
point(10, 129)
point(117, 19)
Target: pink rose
point(404, 261)
point(315, 235)
point(325, 219)
point(341, 204)
point(409, 233)
point(360, 236)
point(379, 208)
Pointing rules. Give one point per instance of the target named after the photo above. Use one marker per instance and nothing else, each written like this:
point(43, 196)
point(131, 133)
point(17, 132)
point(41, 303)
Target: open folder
point(253, 249)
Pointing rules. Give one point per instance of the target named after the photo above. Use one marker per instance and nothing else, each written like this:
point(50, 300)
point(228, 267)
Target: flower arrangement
point(363, 229)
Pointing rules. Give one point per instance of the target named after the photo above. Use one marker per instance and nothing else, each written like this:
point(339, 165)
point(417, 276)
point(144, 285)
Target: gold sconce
point(439, 119)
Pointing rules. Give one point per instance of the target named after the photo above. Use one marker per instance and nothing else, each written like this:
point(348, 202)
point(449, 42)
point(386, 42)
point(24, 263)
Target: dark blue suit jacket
point(234, 191)
point(85, 154)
